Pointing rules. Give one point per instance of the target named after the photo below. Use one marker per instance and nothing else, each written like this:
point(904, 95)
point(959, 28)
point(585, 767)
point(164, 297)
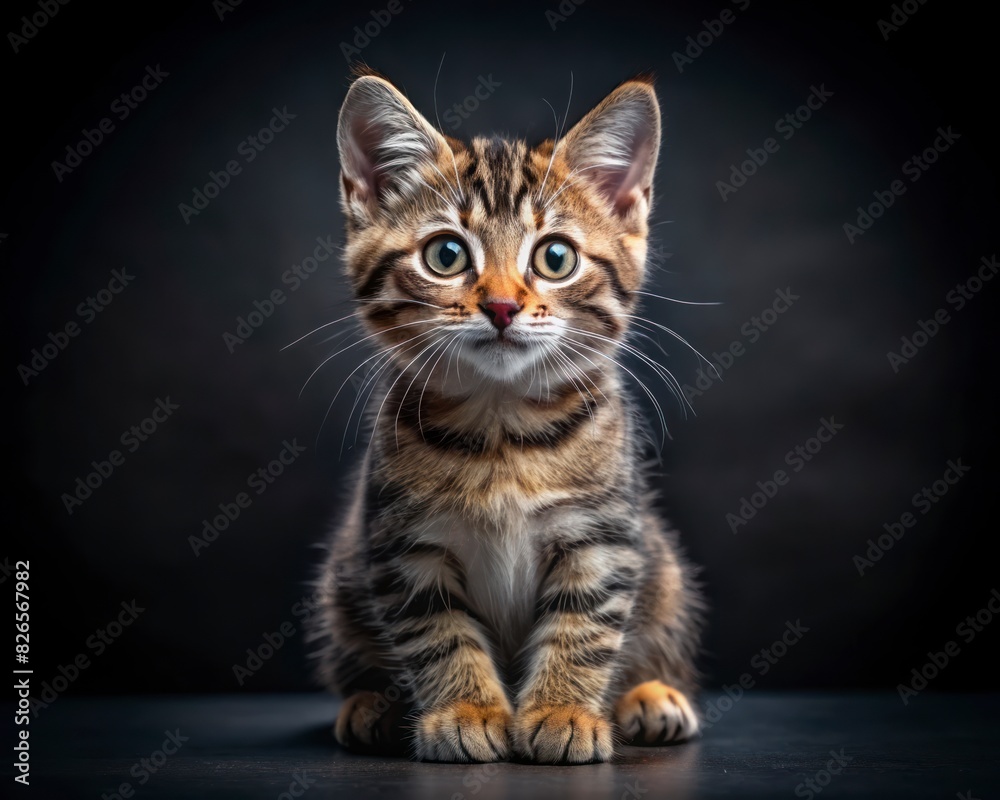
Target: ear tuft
point(614, 147)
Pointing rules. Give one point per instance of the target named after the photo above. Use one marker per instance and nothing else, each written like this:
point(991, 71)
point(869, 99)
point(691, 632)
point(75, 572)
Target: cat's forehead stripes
point(499, 183)
point(499, 177)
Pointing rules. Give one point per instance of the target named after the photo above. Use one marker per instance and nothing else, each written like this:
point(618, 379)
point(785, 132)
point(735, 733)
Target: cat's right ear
point(384, 144)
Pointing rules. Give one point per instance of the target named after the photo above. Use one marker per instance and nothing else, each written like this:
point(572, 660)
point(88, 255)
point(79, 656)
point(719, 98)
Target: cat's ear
point(384, 143)
point(614, 148)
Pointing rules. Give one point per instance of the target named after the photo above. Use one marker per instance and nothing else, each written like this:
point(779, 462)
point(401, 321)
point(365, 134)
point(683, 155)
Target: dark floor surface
point(270, 746)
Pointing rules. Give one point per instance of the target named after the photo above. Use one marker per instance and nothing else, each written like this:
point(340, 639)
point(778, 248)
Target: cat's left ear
point(614, 148)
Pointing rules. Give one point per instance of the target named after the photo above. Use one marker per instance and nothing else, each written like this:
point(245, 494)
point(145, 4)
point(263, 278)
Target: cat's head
point(501, 257)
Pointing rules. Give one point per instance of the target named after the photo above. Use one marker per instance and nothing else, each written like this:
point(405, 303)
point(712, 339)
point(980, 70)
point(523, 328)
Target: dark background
point(827, 355)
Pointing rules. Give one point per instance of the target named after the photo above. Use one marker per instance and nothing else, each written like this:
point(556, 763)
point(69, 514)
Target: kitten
point(500, 586)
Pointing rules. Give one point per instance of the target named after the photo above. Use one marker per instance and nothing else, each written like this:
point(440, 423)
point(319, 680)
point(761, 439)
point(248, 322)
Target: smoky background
point(825, 355)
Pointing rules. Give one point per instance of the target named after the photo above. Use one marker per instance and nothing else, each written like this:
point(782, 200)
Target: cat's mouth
point(504, 356)
point(500, 340)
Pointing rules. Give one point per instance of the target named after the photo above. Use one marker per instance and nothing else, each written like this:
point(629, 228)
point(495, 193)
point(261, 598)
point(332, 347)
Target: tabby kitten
point(500, 586)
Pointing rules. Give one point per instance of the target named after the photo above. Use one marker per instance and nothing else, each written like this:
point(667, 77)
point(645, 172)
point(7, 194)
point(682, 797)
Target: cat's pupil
point(555, 256)
point(448, 253)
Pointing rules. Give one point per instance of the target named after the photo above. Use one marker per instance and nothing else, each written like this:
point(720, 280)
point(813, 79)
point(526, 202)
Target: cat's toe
point(551, 734)
point(463, 731)
point(653, 713)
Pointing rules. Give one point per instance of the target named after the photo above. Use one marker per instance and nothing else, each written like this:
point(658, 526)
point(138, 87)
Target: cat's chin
point(503, 361)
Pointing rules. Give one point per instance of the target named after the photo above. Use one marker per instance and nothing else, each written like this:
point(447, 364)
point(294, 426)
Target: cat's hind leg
point(375, 706)
point(369, 722)
point(654, 699)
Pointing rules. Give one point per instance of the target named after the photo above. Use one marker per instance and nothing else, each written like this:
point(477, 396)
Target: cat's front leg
point(463, 713)
point(584, 601)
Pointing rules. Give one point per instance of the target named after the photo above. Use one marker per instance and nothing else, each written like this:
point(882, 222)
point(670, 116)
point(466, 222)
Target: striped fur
point(500, 585)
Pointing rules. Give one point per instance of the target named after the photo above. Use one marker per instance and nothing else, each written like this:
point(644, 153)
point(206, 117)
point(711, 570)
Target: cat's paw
point(551, 734)
point(463, 731)
point(365, 721)
point(654, 713)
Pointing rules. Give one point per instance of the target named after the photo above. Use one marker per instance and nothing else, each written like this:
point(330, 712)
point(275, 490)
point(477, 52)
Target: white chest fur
point(501, 573)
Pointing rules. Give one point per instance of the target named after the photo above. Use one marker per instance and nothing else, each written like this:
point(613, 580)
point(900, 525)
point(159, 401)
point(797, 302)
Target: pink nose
point(501, 314)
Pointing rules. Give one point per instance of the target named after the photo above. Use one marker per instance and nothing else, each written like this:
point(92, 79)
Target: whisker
point(437, 345)
point(578, 385)
point(427, 380)
point(661, 371)
point(647, 337)
point(316, 330)
point(371, 382)
point(426, 184)
point(583, 374)
point(392, 386)
point(674, 299)
point(455, 197)
point(355, 344)
point(646, 389)
point(369, 386)
point(458, 349)
point(567, 182)
point(356, 330)
point(437, 118)
point(559, 132)
point(385, 353)
point(403, 300)
point(673, 333)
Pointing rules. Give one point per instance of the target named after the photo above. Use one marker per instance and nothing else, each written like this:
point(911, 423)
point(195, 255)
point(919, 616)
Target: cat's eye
point(555, 260)
point(446, 255)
